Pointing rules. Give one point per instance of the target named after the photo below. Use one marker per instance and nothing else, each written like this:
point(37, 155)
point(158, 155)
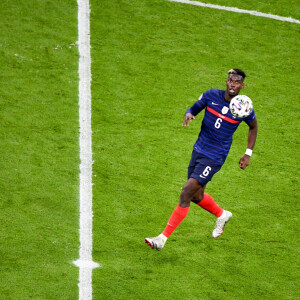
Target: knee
point(187, 194)
point(198, 196)
point(190, 191)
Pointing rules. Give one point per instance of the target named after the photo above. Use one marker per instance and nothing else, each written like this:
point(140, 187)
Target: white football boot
point(157, 242)
point(221, 222)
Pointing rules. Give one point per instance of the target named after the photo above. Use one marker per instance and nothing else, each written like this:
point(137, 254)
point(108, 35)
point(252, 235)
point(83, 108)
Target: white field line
point(85, 261)
point(238, 10)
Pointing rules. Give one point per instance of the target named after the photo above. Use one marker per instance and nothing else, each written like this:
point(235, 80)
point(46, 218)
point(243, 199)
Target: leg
point(200, 171)
point(199, 195)
point(205, 201)
point(190, 189)
point(208, 203)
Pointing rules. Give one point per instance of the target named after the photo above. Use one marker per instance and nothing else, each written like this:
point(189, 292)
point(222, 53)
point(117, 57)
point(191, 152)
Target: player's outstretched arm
point(188, 117)
point(244, 161)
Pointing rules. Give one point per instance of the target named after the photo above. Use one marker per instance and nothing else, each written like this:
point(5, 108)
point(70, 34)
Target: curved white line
point(238, 10)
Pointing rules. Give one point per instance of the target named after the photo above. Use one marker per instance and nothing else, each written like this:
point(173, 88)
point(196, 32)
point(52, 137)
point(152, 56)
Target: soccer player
point(209, 154)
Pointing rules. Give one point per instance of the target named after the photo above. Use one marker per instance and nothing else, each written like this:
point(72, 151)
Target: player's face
point(234, 84)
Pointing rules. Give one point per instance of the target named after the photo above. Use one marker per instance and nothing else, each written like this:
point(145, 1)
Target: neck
point(227, 96)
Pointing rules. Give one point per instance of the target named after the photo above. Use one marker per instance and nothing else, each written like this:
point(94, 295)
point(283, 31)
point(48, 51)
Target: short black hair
point(237, 72)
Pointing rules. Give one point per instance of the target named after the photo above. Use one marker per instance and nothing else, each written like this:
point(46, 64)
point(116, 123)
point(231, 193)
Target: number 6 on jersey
point(218, 123)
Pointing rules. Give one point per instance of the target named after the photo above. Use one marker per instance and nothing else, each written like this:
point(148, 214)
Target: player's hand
point(244, 161)
point(188, 117)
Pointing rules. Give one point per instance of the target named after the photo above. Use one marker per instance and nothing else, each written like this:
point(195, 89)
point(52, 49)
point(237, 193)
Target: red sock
point(176, 218)
point(209, 204)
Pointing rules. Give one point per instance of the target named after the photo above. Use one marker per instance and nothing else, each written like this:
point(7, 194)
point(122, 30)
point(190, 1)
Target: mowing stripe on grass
point(238, 10)
point(85, 261)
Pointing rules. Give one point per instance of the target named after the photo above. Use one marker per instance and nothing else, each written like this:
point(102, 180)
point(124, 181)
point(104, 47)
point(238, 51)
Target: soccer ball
point(241, 106)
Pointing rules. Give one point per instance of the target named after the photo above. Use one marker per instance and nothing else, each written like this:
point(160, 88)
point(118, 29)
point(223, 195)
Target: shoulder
point(211, 91)
point(214, 97)
point(214, 93)
point(250, 118)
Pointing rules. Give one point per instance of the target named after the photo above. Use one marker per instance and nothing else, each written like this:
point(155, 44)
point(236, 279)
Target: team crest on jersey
point(225, 110)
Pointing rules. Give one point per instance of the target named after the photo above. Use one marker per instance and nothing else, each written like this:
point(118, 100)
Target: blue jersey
point(218, 125)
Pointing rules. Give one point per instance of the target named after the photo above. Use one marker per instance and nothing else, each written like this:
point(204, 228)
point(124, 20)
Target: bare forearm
point(252, 134)
point(244, 161)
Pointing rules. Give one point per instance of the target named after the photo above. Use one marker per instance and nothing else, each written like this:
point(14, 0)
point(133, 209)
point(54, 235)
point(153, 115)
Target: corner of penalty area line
point(86, 264)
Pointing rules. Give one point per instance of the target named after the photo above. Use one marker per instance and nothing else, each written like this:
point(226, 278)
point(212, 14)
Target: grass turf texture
point(39, 150)
point(151, 60)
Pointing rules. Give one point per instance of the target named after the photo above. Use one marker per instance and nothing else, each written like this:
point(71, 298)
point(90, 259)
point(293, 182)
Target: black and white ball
point(241, 106)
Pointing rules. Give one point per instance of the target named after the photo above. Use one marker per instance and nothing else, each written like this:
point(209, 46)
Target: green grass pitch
point(151, 59)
